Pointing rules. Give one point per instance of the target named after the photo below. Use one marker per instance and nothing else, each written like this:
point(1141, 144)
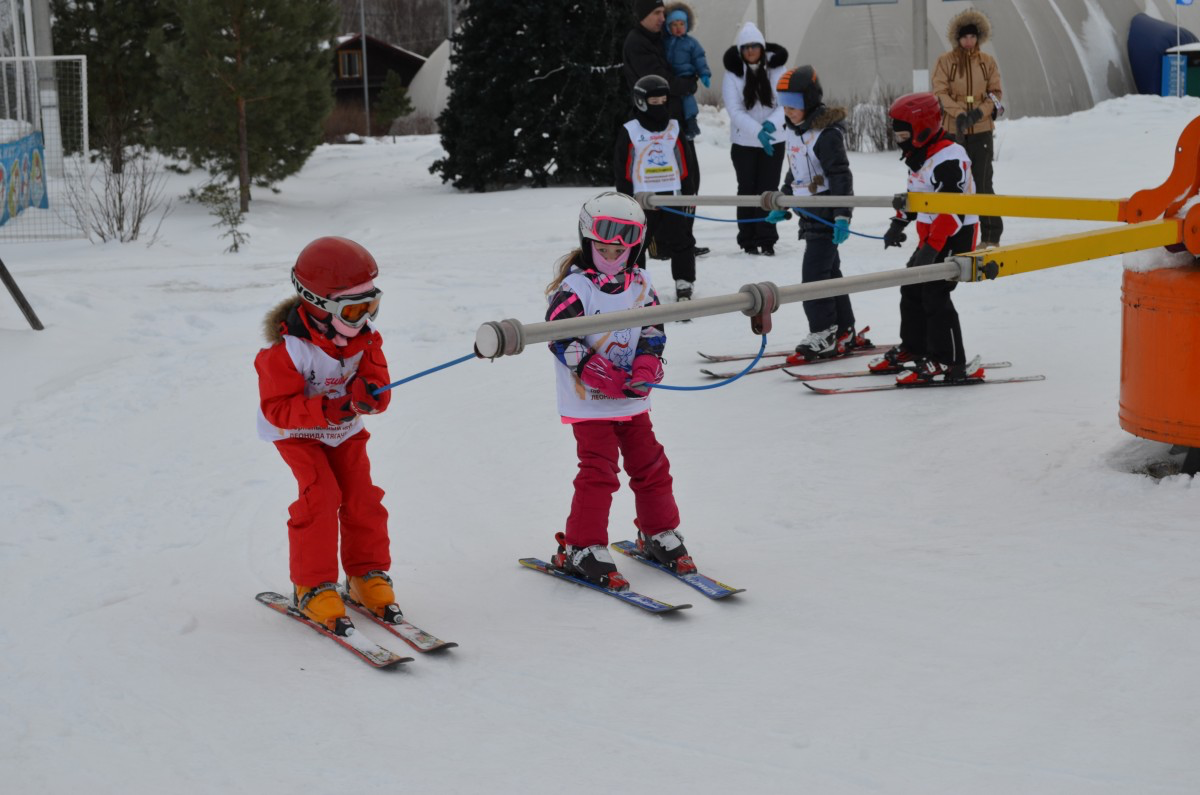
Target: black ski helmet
point(649, 86)
point(801, 83)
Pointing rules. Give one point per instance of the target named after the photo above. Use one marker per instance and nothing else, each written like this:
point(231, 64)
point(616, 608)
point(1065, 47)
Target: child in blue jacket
point(686, 56)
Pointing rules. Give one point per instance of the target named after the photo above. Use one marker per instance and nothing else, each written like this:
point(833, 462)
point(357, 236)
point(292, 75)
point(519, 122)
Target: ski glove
point(769, 126)
point(647, 371)
point(362, 396)
point(841, 230)
point(706, 80)
point(925, 255)
point(776, 216)
point(968, 119)
point(894, 236)
point(764, 138)
point(600, 373)
point(337, 410)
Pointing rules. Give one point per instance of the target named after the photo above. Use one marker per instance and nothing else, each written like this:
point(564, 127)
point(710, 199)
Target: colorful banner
point(22, 176)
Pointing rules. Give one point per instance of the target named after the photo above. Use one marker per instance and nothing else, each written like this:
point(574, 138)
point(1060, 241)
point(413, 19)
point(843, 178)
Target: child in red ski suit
point(604, 382)
point(315, 381)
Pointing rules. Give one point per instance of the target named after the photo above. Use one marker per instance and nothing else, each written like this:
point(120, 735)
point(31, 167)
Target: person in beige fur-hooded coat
point(967, 83)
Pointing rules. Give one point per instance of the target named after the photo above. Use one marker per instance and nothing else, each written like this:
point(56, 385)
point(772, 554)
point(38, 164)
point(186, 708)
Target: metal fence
point(46, 96)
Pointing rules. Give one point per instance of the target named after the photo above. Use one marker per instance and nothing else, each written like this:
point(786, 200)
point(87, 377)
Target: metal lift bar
point(509, 337)
point(1018, 206)
point(1039, 255)
point(974, 204)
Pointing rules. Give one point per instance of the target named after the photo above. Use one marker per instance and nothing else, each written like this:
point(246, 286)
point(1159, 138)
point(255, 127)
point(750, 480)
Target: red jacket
point(281, 388)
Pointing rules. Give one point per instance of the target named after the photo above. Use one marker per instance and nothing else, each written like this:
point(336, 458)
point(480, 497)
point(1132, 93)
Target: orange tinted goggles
point(355, 310)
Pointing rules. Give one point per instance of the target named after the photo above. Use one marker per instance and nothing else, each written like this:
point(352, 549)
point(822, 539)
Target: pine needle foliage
point(536, 93)
point(251, 85)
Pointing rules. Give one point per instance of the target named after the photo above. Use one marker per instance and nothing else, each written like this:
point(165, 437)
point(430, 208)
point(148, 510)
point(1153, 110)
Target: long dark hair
point(758, 85)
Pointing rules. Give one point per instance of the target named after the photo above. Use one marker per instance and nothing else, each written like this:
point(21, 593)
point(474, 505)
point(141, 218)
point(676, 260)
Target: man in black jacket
point(644, 54)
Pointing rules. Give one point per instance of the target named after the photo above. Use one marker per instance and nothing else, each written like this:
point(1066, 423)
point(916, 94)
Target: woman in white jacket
point(752, 68)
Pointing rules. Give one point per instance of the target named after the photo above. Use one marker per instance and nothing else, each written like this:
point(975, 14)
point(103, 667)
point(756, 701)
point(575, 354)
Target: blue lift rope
point(762, 349)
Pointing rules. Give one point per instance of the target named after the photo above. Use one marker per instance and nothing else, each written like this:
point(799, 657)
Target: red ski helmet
point(332, 264)
point(922, 112)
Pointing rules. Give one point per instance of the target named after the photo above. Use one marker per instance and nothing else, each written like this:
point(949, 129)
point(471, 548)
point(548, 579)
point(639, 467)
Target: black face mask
point(914, 158)
point(654, 118)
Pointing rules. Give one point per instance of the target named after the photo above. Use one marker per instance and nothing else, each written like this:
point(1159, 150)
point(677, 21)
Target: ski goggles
point(607, 229)
point(791, 99)
point(353, 310)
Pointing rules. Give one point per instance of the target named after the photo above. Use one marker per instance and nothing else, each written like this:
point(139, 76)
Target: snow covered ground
point(958, 591)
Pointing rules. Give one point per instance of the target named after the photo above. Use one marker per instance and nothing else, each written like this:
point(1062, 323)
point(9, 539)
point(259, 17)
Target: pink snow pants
point(598, 443)
point(335, 492)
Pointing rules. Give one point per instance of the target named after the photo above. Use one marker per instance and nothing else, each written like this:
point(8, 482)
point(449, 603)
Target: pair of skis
point(806, 377)
point(348, 637)
point(713, 589)
point(865, 350)
point(821, 390)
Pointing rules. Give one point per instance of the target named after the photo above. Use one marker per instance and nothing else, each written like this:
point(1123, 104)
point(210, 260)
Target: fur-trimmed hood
point(286, 317)
point(685, 8)
point(825, 117)
point(968, 17)
point(275, 320)
point(774, 55)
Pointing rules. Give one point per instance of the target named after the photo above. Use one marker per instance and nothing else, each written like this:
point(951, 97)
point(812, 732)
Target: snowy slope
point(948, 592)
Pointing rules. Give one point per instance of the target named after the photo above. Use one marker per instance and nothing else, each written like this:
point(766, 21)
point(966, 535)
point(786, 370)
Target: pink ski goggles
point(607, 229)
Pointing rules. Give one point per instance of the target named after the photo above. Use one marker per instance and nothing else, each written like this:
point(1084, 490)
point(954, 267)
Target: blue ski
point(711, 588)
point(630, 597)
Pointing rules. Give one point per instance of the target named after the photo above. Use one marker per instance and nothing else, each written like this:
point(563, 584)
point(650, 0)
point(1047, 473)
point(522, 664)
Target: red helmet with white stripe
point(332, 264)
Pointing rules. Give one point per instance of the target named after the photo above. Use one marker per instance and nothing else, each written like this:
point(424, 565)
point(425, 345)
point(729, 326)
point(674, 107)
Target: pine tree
point(393, 99)
point(251, 85)
point(536, 93)
point(119, 40)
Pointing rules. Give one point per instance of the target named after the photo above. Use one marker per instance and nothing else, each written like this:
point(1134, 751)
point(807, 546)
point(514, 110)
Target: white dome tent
point(428, 91)
point(1056, 56)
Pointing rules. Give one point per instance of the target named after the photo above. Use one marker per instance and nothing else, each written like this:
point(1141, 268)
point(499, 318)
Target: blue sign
point(1174, 75)
point(22, 176)
point(1183, 2)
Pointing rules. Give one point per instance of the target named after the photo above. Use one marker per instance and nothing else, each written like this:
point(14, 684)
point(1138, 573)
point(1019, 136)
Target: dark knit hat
point(965, 30)
point(643, 8)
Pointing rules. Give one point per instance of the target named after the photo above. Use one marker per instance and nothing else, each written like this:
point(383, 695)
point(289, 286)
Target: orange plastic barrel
point(1160, 355)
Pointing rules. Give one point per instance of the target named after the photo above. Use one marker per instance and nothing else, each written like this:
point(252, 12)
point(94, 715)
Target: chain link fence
point(43, 141)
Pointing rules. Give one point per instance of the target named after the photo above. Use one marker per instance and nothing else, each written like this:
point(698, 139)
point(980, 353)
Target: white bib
point(922, 181)
point(323, 375)
point(654, 169)
point(802, 158)
point(577, 400)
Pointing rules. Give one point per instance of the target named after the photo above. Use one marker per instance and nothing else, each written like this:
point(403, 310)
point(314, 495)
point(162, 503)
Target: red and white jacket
point(302, 368)
point(947, 169)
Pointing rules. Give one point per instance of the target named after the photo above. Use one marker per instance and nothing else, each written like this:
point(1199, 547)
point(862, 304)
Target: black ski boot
point(594, 564)
point(667, 548)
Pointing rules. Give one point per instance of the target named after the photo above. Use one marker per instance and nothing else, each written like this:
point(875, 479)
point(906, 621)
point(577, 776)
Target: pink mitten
point(600, 373)
point(647, 370)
